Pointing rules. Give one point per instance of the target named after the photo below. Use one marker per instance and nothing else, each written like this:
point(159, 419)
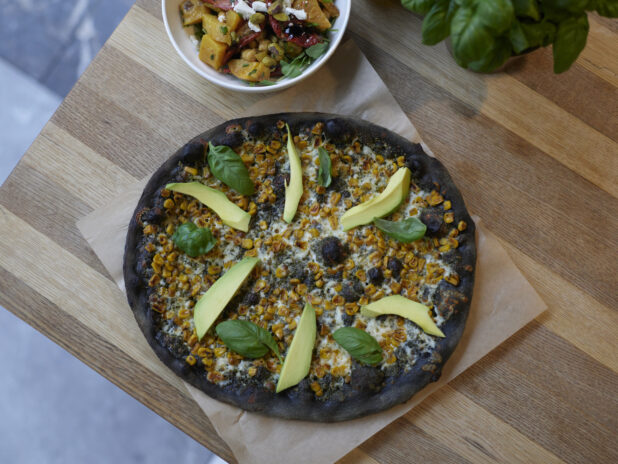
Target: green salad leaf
point(406, 231)
point(324, 173)
point(247, 338)
point(227, 166)
point(198, 32)
point(317, 50)
point(194, 240)
point(361, 346)
point(296, 67)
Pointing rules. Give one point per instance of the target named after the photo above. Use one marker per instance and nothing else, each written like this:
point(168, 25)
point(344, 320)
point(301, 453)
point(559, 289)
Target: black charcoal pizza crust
point(370, 390)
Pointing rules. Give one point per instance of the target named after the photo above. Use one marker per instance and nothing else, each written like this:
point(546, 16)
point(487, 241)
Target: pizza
point(302, 266)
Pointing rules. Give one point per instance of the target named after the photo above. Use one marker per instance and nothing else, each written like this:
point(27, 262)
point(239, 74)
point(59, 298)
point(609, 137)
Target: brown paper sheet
point(503, 300)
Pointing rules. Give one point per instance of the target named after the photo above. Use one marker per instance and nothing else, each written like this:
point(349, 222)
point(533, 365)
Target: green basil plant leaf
point(437, 23)
point(495, 57)
point(518, 38)
point(569, 6)
point(324, 173)
point(570, 41)
point(495, 15)
point(539, 34)
point(527, 8)
point(469, 37)
point(406, 231)
point(361, 346)
point(607, 8)
point(194, 240)
point(228, 167)
point(418, 6)
point(247, 339)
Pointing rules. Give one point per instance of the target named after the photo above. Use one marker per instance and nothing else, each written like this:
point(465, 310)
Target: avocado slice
point(385, 203)
point(230, 214)
point(298, 358)
point(212, 302)
point(294, 190)
point(401, 306)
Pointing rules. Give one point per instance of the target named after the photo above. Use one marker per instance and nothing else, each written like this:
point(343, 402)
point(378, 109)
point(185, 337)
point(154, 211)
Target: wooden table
point(534, 154)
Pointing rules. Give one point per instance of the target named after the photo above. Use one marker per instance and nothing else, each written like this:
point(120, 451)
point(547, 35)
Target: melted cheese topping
point(292, 269)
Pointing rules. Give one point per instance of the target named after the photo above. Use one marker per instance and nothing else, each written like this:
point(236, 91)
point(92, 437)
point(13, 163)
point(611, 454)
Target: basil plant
point(485, 33)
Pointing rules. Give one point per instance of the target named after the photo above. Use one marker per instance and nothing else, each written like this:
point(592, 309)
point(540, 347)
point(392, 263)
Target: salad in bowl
point(261, 43)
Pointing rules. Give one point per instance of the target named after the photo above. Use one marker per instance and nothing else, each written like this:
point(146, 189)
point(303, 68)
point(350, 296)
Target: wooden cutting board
point(535, 155)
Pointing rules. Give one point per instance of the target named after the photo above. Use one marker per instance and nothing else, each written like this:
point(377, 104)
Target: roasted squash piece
point(212, 52)
point(232, 19)
point(192, 12)
point(249, 71)
point(315, 14)
point(216, 30)
point(330, 9)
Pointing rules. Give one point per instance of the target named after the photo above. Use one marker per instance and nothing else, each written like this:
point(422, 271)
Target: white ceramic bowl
point(187, 50)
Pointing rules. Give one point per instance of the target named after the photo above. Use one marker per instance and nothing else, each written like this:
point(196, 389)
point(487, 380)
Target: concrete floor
point(53, 408)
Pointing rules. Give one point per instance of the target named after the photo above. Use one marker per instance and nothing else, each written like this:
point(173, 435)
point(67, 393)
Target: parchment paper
point(503, 299)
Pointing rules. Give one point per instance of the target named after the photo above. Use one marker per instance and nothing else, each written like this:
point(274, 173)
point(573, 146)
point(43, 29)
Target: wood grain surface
point(535, 156)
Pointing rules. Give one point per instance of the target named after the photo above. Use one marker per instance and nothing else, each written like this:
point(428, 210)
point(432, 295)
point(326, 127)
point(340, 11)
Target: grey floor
point(53, 408)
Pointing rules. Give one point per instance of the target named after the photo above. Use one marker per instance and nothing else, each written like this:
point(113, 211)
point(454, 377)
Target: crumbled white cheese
point(253, 27)
point(300, 14)
point(260, 6)
point(221, 17)
point(246, 11)
point(243, 9)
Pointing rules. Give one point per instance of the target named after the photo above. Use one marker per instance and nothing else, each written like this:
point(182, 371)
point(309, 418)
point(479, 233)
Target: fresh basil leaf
point(570, 6)
point(527, 8)
point(406, 231)
point(495, 15)
point(607, 8)
point(361, 346)
point(518, 38)
point(227, 166)
point(324, 173)
point(539, 34)
point(317, 50)
point(494, 57)
point(194, 240)
point(247, 338)
point(437, 23)
point(469, 37)
point(570, 41)
point(418, 6)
